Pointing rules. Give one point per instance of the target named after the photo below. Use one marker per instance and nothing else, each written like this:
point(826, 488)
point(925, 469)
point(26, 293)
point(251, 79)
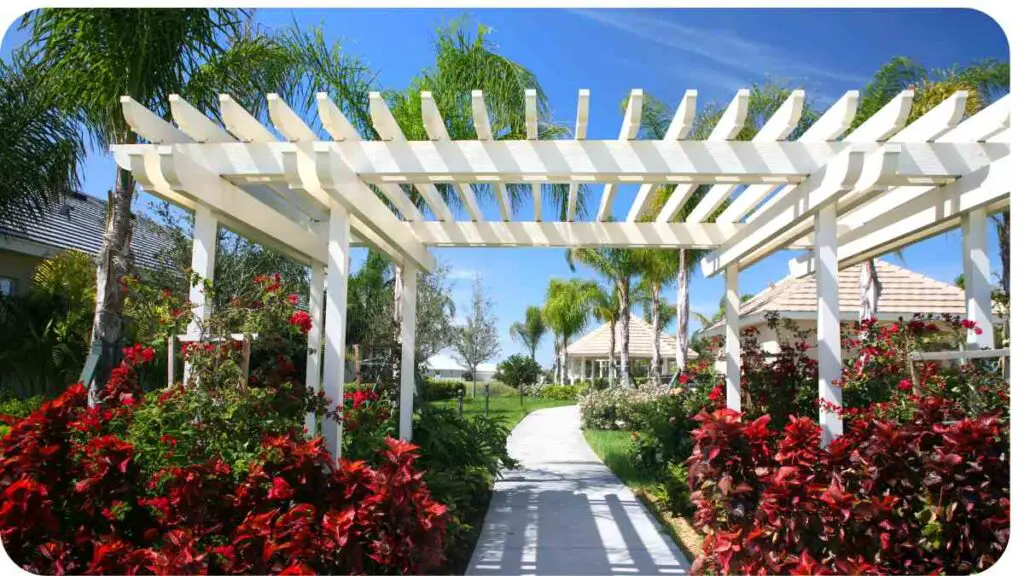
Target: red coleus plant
point(929, 494)
point(74, 499)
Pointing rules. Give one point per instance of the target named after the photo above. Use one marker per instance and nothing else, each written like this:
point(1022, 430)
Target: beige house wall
point(19, 267)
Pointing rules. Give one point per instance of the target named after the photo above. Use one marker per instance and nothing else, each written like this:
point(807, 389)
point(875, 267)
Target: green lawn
point(506, 406)
point(612, 447)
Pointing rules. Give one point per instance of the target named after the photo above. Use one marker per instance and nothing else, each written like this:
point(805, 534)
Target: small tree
point(477, 340)
point(518, 371)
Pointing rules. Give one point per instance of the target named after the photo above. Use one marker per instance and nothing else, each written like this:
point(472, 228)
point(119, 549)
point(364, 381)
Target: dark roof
point(77, 223)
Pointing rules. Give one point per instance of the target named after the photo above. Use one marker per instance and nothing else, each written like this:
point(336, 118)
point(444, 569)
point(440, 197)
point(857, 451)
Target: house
point(76, 223)
point(448, 368)
point(588, 355)
point(904, 294)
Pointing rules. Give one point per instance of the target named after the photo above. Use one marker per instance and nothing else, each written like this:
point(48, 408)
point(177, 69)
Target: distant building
point(588, 355)
point(904, 293)
point(77, 223)
point(448, 368)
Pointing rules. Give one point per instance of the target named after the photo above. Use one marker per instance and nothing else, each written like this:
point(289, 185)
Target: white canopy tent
point(846, 199)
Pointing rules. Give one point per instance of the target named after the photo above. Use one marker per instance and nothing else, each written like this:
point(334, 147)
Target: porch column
point(977, 270)
point(313, 355)
point(830, 368)
point(408, 336)
point(204, 256)
point(732, 337)
point(334, 329)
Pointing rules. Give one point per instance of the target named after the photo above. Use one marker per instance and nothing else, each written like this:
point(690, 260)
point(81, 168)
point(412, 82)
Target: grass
point(612, 447)
point(504, 406)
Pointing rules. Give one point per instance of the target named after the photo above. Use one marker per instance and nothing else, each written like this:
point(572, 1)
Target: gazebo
point(315, 191)
point(587, 357)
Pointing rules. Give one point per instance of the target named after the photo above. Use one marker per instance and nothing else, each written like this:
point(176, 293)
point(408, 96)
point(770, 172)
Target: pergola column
point(830, 369)
point(315, 339)
point(334, 328)
point(977, 270)
point(204, 255)
point(408, 336)
point(732, 337)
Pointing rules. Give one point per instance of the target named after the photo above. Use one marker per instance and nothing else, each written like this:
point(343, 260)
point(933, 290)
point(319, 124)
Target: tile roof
point(904, 292)
point(78, 223)
point(595, 343)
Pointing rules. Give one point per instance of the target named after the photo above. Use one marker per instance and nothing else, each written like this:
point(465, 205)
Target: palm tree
point(95, 56)
point(40, 147)
point(604, 305)
point(620, 267)
point(658, 268)
point(566, 312)
point(531, 331)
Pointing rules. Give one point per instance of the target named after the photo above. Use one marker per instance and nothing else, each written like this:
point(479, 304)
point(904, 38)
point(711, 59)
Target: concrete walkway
point(565, 512)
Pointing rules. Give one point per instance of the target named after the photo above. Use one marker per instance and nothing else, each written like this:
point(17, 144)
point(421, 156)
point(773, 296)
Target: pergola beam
point(433, 123)
point(582, 120)
point(574, 234)
point(482, 124)
point(530, 107)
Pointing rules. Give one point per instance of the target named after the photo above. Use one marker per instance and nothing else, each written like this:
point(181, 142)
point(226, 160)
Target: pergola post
point(408, 369)
point(315, 340)
point(732, 337)
point(334, 327)
point(977, 289)
point(830, 369)
point(204, 256)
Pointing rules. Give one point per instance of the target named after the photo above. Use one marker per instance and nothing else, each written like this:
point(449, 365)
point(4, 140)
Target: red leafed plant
point(76, 499)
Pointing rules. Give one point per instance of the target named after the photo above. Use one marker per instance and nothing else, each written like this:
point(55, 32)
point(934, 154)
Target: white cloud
point(720, 46)
point(463, 274)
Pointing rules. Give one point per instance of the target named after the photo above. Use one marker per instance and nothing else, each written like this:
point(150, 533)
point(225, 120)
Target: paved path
point(565, 512)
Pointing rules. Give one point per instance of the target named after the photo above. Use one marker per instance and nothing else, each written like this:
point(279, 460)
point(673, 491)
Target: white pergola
point(844, 197)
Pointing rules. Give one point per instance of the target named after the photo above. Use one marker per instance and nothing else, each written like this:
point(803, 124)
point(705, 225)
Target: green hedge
point(443, 389)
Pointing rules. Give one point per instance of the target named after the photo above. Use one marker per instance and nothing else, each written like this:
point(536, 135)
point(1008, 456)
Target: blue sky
point(664, 52)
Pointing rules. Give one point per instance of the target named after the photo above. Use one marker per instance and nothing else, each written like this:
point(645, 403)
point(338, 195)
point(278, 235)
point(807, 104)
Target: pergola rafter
point(884, 185)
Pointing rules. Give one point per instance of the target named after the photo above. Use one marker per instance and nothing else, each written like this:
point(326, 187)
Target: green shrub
point(443, 389)
point(518, 370)
point(495, 388)
point(19, 408)
point(569, 392)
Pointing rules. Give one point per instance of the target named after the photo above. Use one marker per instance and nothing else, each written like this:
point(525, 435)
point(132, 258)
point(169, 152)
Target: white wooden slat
point(851, 171)
point(830, 363)
point(733, 360)
point(778, 127)
point(573, 234)
point(389, 131)
point(334, 120)
point(241, 124)
point(408, 361)
point(829, 127)
point(482, 124)
point(287, 122)
point(986, 123)
point(530, 106)
point(340, 129)
point(433, 123)
point(977, 271)
point(679, 129)
point(582, 121)
point(628, 130)
point(150, 126)
point(335, 318)
point(728, 126)
point(935, 122)
point(886, 121)
point(196, 124)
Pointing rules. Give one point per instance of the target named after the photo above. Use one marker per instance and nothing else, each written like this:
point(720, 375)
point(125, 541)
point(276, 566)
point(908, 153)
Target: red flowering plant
point(214, 477)
point(781, 382)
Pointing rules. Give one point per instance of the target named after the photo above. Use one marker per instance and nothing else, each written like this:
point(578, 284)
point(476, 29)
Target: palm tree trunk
point(558, 363)
point(565, 360)
point(624, 376)
point(655, 371)
point(682, 313)
point(611, 349)
point(112, 266)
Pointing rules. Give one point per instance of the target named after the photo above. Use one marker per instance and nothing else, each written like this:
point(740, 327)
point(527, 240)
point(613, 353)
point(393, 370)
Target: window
point(7, 285)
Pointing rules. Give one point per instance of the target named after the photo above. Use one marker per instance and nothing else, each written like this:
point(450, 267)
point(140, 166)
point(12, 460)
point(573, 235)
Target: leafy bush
point(567, 392)
point(518, 370)
point(443, 389)
point(618, 407)
point(927, 495)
